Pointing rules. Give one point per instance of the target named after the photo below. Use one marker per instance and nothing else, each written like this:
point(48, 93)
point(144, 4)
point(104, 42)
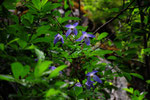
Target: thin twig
point(113, 18)
point(70, 8)
point(61, 27)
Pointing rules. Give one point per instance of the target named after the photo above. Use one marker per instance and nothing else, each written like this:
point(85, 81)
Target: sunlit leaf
point(52, 92)
point(7, 78)
point(40, 54)
point(102, 35)
point(41, 67)
point(17, 69)
point(55, 72)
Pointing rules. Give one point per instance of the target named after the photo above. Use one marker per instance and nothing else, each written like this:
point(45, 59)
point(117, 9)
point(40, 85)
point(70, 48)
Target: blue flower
point(78, 84)
point(95, 77)
point(58, 37)
point(72, 28)
point(53, 68)
point(86, 36)
point(89, 83)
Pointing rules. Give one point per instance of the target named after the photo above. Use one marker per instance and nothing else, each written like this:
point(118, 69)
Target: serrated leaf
point(56, 71)
point(41, 67)
point(137, 75)
point(102, 35)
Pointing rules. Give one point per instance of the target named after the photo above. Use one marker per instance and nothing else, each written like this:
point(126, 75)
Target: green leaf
point(55, 72)
point(65, 4)
point(67, 13)
point(25, 71)
point(127, 75)
point(41, 67)
point(52, 91)
point(112, 57)
point(14, 40)
point(78, 90)
point(148, 81)
point(7, 78)
point(43, 2)
point(64, 19)
point(130, 90)
point(137, 75)
point(22, 43)
point(17, 69)
point(41, 30)
point(37, 4)
point(28, 17)
point(101, 52)
point(48, 6)
point(40, 54)
point(2, 46)
point(102, 35)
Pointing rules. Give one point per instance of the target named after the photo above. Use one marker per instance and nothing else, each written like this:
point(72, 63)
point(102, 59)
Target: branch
point(113, 18)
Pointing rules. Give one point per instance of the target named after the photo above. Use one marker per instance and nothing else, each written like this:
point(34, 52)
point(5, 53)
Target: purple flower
point(58, 37)
point(53, 67)
point(78, 84)
point(86, 36)
point(89, 83)
point(92, 75)
point(36, 60)
point(72, 28)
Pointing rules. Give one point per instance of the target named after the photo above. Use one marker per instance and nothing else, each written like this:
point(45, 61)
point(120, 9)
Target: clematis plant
point(90, 75)
point(72, 28)
point(58, 37)
point(86, 37)
point(89, 83)
point(78, 84)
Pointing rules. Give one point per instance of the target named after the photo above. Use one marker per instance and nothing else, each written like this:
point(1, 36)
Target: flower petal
point(78, 84)
point(93, 72)
point(87, 41)
point(68, 32)
point(75, 31)
point(70, 26)
point(96, 78)
point(89, 82)
point(84, 32)
point(80, 39)
point(57, 35)
point(75, 24)
point(62, 40)
point(52, 67)
point(90, 35)
point(56, 40)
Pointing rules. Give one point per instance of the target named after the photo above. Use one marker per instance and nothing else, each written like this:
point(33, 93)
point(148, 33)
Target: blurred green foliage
point(27, 50)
